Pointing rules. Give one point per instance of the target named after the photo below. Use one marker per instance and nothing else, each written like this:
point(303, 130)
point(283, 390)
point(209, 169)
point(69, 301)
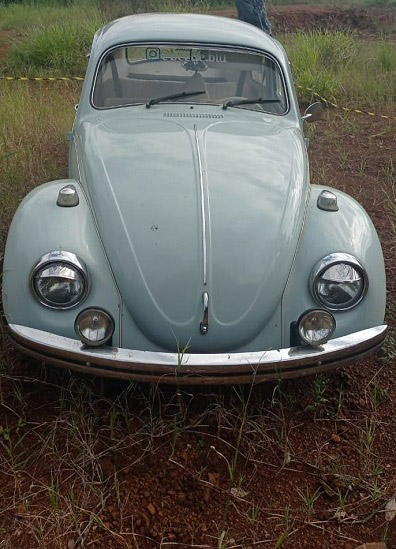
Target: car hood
point(185, 208)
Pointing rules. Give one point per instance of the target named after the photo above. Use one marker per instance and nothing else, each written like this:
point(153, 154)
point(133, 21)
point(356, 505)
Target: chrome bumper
point(222, 368)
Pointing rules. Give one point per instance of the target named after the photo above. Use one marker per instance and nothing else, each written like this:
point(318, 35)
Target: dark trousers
point(254, 12)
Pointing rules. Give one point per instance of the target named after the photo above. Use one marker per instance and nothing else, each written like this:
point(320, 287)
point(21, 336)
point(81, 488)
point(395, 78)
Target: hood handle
point(204, 326)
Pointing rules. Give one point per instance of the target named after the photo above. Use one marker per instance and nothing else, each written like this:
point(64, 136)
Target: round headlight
point(339, 282)
point(59, 280)
point(94, 327)
point(316, 327)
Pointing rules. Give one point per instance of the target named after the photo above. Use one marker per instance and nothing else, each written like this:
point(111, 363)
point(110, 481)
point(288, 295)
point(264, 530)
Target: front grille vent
point(190, 115)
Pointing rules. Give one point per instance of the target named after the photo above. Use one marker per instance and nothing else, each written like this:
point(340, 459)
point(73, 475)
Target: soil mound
point(291, 18)
point(308, 17)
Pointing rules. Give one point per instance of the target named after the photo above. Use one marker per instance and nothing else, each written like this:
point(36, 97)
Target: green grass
point(119, 8)
point(60, 50)
point(318, 59)
point(22, 17)
point(340, 67)
point(382, 3)
point(340, 3)
point(218, 4)
point(25, 16)
point(54, 40)
point(28, 155)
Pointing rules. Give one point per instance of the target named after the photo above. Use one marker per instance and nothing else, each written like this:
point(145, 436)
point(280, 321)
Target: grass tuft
point(33, 126)
point(58, 50)
point(340, 67)
point(24, 16)
point(319, 60)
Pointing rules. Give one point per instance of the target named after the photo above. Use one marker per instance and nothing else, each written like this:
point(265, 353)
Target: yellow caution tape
point(43, 78)
point(345, 109)
point(316, 94)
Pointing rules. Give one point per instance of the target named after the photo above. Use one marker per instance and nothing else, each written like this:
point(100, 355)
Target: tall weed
point(34, 121)
point(26, 16)
point(119, 8)
point(340, 3)
point(338, 66)
point(319, 58)
point(56, 50)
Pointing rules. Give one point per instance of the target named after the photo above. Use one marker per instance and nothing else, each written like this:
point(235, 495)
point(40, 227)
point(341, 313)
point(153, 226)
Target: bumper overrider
point(174, 368)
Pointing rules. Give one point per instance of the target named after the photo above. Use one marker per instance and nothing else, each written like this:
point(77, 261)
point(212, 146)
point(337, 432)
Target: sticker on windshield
point(185, 54)
point(153, 54)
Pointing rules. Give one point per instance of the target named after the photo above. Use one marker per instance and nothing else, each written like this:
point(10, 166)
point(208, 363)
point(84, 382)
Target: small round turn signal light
point(94, 327)
point(315, 327)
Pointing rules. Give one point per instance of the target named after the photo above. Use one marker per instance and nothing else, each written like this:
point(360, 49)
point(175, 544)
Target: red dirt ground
point(310, 17)
point(6, 40)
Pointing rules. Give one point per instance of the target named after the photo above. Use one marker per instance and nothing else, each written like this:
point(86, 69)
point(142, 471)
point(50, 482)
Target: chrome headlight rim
point(329, 261)
point(82, 338)
point(70, 260)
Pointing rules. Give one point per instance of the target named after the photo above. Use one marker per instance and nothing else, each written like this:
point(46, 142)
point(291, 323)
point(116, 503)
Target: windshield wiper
point(260, 100)
point(174, 96)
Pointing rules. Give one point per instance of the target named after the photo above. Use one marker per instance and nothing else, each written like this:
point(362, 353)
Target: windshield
point(140, 74)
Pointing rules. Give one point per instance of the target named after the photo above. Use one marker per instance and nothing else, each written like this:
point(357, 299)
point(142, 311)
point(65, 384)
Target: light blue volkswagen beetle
point(188, 245)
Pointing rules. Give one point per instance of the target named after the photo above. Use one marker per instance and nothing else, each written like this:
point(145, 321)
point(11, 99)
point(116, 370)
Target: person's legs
point(254, 12)
point(265, 24)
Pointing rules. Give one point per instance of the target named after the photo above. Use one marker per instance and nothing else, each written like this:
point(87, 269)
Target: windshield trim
point(190, 45)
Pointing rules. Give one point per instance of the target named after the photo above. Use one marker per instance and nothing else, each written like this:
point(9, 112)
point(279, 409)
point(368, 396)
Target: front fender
point(40, 226)
point(348, 230)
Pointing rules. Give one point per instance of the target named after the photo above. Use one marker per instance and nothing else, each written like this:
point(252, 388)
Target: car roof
point(183, 27)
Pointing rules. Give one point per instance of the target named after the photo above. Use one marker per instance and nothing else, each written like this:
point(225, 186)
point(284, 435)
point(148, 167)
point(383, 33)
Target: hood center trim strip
point(203, 211)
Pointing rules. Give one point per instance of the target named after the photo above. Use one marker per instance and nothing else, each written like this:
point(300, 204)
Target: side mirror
point(314, 112)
